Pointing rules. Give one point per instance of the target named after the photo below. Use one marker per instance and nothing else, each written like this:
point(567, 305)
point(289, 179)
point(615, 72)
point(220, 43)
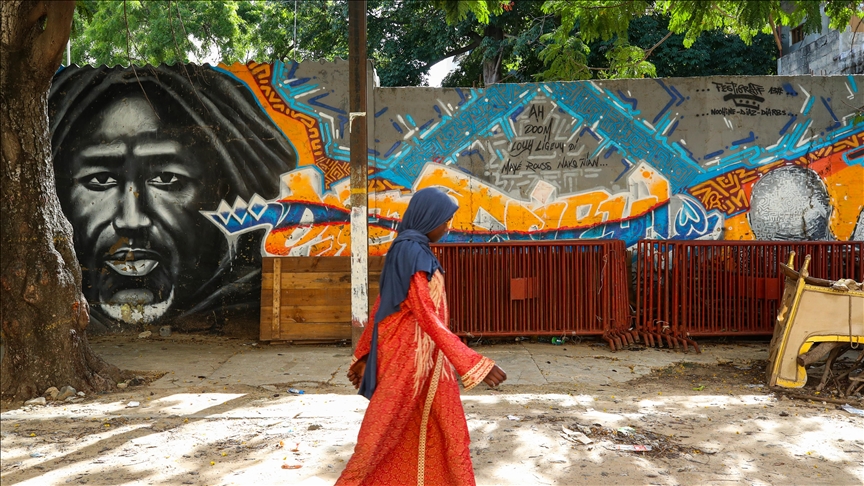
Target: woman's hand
point(355, 372)
point(495, 377)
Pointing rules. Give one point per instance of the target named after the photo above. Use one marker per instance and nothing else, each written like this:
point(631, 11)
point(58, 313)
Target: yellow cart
point(811, 312)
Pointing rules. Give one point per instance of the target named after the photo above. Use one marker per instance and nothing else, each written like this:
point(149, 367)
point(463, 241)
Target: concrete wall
point(176, 196)
point(832, 53)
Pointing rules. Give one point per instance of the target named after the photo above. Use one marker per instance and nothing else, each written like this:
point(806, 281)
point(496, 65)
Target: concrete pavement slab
point(184, 358)
point(210, 360)
point(294, 365)
point(517, 362)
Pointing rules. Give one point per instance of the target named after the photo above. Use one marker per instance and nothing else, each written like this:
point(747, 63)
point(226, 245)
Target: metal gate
point(725, 288)
point(561, 288)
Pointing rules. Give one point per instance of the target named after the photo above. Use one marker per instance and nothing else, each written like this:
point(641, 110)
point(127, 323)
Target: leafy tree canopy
point(586, 21)
point(494, 40)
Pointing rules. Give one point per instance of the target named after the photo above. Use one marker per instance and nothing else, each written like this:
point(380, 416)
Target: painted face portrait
point(136, 163)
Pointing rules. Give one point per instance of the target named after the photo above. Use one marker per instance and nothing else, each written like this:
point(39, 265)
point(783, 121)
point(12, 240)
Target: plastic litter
point(851, 409)
point(512, 417)
point(633, 447)
point(557, 341)
point(574, 436)
point(296, 392)
point(291, 466)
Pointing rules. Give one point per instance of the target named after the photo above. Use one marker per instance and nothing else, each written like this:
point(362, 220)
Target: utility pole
point(359, 168)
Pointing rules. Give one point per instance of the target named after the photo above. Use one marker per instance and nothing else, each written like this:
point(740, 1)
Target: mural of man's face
point(136, 187)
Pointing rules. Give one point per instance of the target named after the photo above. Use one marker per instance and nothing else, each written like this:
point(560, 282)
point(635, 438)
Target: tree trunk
point(42, 310)
point(492, 65)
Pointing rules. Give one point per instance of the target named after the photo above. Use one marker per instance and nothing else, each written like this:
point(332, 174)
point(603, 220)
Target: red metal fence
point(725, 288)
point(561, 288)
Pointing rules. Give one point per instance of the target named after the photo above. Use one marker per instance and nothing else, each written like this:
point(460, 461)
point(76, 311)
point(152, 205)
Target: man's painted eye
point(99, 182)
point(165, 179)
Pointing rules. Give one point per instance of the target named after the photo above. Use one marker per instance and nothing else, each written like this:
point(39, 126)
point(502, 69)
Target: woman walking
point(414, 430)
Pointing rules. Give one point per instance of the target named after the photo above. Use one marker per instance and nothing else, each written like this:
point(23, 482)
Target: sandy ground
point(708, 422)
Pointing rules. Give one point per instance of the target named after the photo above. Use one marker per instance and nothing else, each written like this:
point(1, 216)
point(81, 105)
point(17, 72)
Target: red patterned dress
point(414, 428)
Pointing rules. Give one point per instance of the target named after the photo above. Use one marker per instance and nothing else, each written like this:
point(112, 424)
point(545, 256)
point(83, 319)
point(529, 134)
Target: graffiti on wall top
point(151, 175)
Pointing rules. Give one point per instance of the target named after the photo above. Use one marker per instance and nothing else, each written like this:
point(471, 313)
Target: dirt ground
point(705, 424)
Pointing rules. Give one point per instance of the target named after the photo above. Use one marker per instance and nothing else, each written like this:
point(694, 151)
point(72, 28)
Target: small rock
point(165, 331)
point(269, 388)
point(51, 393)
point(784, 414)
point(132, 404)
point(35, 401)
point(138, 380)
point(66, 392)
point(121, 385)
point(314, 427)
point(80, 394)
point(145, 334)
point(37, 454)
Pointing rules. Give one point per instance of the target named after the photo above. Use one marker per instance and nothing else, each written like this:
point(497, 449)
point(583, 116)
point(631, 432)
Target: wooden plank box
point(311, 298)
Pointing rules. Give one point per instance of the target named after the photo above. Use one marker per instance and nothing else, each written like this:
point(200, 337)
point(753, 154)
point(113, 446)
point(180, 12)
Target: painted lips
point(132, 262)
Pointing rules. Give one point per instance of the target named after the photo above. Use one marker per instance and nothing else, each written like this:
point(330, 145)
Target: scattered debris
point(35, 401)
point(295, 391)
point(623, 439)
point(575, 436)
point(144, 335)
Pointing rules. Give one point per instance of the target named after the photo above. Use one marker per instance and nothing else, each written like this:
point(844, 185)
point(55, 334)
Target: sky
point(439, 71)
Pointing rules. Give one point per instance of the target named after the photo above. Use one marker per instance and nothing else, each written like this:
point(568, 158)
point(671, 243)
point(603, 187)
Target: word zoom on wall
point(179, 179)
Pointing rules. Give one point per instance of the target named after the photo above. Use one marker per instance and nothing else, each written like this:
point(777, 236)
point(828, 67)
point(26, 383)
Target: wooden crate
point(311, 298)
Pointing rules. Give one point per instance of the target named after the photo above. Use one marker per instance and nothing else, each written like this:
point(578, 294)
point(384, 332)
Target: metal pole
point(359, 164)
point(69, 52)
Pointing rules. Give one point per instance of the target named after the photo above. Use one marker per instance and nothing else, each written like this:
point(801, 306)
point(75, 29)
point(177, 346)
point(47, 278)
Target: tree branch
point(776, 33)
point(644, 58)
point(655, 46)
point(721, 12)
point(476, 40)
point(49, 45)
point(462, 50)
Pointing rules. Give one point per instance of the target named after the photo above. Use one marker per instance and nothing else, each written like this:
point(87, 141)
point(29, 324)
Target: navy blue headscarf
point(410, 253)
